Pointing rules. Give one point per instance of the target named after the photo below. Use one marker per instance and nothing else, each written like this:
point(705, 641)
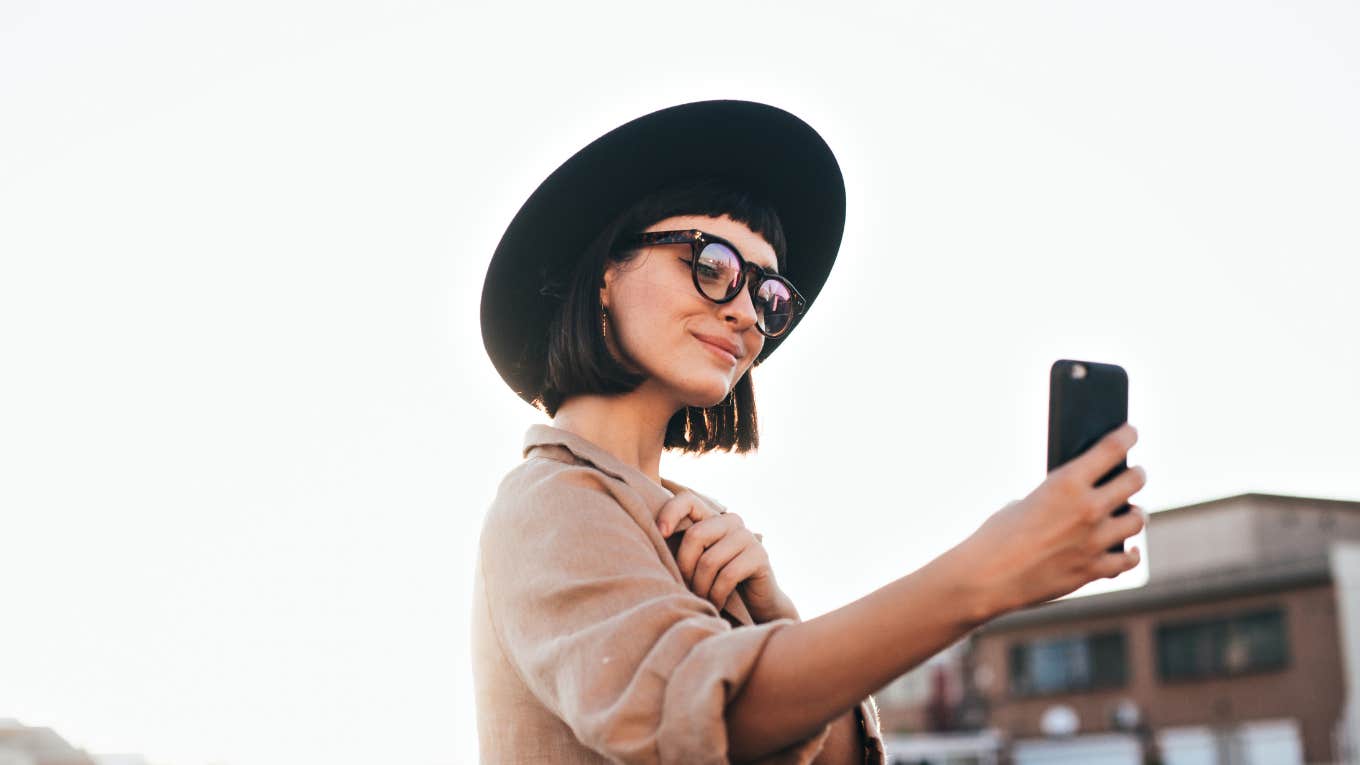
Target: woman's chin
point(701, 392)
point(709, 398)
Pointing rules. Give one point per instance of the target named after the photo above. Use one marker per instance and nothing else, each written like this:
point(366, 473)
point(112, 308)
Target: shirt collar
point(655, 496)
point(541, 434)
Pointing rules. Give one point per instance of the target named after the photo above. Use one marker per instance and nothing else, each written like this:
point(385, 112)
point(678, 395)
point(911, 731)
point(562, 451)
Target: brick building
point(1238, 648)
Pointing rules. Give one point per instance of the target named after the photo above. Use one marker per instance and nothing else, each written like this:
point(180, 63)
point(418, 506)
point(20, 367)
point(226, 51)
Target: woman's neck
point(630, 426)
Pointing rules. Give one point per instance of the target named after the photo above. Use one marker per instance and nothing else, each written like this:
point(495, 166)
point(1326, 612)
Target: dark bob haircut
point(579, 361)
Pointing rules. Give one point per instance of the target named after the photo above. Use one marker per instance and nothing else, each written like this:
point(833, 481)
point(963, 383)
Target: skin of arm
point(809, 674)
point(844, 745)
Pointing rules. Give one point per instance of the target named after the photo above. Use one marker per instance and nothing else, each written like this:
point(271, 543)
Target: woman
point(619, 616)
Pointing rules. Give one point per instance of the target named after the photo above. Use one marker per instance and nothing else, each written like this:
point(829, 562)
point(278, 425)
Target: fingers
point(699, 537)
point(1110, 565)
point(713, 561)
point(713, 556)
point(1117, 528)
point(1121, 487)
point(736, 571)
point(1104, 454)
point(682, 511)
point(1112, 531)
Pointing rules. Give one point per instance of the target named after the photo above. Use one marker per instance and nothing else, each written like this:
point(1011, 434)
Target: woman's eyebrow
point(772, 267)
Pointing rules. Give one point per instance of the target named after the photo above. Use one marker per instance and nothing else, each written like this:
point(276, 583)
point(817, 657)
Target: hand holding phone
point(1071, 529)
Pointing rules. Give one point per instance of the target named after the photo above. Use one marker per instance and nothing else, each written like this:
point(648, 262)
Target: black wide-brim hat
point(764, 149)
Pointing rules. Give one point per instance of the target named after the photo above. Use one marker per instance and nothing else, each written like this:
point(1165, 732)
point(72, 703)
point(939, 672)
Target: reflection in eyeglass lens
point(773, 303)
point(718, 271)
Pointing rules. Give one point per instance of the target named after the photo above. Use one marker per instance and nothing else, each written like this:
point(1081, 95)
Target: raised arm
point(813, 671)
point(1030, 551)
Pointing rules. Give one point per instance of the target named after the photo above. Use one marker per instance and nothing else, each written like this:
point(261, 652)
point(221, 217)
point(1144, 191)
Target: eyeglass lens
point(719, 272)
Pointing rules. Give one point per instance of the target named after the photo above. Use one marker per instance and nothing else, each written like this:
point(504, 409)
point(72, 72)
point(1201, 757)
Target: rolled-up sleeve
point(600, 631)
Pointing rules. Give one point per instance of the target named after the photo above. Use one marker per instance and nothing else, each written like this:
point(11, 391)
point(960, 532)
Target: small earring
point(604, 322)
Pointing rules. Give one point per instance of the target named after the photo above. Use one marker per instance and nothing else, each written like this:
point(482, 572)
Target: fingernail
point(665, 531)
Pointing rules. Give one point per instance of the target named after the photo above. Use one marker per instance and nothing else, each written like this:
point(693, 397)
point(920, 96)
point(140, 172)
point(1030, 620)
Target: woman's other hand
point(719, 556)
point(1055, 540)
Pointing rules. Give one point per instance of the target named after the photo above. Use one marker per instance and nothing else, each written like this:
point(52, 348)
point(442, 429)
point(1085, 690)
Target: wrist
point(784, 609)
point(983, 593)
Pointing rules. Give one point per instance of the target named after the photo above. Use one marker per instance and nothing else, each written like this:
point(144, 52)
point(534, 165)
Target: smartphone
point(1086, 400)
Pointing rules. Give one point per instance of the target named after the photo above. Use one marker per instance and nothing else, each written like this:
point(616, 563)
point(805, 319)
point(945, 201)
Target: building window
point(1222, 646)
point(1070, 663)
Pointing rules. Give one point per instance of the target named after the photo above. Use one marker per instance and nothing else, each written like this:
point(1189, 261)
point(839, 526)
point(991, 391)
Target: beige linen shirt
point(587, 646)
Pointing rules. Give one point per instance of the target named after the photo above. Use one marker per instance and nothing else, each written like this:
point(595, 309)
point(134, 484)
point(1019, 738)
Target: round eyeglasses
point(719, 272)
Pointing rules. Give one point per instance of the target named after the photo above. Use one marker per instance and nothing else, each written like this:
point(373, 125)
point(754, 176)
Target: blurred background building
point(1243, 647)
point(35, 745)
point(24, 745)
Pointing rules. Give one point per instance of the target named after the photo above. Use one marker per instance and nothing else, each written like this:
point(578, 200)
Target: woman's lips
point(717, 351)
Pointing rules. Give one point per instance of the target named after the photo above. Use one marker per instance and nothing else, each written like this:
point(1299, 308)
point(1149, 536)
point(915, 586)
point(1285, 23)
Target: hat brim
point(763, 148)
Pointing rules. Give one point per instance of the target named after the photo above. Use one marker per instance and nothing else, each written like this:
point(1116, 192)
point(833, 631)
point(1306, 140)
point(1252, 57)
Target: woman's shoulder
point(546, 473)
point(547, 490)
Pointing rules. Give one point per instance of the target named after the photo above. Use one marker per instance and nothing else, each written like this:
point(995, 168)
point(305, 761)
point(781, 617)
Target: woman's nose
point(740, 311)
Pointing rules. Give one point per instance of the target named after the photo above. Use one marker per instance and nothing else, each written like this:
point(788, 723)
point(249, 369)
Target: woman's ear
point(605, 280)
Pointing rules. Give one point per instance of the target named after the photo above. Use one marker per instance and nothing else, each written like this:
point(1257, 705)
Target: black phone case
point(1082, 409)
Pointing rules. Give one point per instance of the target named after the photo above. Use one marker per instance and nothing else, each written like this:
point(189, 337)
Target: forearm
point(812, 672)
point(844, 744)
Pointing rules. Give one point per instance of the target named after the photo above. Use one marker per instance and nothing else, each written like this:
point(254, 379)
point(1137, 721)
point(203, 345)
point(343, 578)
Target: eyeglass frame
point(697, 241)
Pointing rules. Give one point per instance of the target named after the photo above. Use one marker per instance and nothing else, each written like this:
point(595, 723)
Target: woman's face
point(658, 319)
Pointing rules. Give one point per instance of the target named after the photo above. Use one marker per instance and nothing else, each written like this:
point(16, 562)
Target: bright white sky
point(248, 430)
